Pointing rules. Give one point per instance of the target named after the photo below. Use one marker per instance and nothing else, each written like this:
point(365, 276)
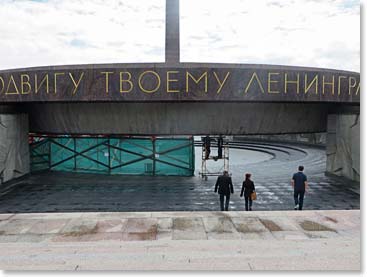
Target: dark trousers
point(221, 198)
point(298, 198)
point(248, 201)
point(220, 152)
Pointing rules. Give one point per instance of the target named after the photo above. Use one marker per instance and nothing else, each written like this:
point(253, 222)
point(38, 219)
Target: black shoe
point(250, 209)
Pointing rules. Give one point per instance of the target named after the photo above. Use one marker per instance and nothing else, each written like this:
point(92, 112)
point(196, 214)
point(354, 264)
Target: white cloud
point(303, 32)
point(290, 32)
point(73, 32)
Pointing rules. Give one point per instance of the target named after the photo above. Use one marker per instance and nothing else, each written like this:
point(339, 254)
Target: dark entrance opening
point(78, 180)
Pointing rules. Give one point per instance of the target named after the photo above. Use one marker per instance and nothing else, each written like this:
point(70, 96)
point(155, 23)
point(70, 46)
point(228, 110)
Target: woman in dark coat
point(248, 187)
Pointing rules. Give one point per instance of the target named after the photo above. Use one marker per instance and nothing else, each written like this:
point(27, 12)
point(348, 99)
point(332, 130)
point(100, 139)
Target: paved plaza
point(67, 221)
point(271, 165)
point(283, 240)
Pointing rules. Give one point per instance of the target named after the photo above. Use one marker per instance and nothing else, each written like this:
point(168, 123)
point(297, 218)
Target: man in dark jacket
point(224, 187)
point(299, 184)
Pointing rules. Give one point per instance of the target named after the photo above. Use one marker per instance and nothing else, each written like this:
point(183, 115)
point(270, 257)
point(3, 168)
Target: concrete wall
point(177, 118)
point(14, 148)
point(343, 145)
point(311, 138)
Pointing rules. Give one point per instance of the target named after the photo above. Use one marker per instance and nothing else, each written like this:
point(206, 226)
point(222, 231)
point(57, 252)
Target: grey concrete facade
point(14, 149)
point(306, 138)
point(343, 147)
point(178, 118)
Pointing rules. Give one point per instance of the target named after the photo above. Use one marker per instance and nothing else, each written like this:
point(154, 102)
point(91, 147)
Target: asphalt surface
point(270, 164)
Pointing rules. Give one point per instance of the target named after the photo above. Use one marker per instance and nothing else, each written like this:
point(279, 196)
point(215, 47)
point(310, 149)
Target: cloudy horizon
point(309, 33)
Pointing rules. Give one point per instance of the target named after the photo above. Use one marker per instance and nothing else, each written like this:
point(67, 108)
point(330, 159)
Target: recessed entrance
point(271, 164)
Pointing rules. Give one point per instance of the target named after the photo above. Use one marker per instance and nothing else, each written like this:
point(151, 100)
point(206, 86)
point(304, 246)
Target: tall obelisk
point(172, 31)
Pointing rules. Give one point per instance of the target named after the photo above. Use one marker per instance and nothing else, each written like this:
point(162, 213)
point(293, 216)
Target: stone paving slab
point(140, 229)
point(220, 228)
point(111, 225)
point(16, 226)
point(5, 216)
point(164, 229)
point(245, 240)
point(279, 223)
point(48, 226)
point(186, 228)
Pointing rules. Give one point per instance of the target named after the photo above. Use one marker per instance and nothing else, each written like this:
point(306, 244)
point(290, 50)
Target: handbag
point(253, 195)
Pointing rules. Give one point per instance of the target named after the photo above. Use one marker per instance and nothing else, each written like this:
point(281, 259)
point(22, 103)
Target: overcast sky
point(316, 33)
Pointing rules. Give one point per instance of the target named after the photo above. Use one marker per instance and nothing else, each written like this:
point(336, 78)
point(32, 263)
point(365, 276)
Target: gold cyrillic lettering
point(37, 87)
point(332, 84)
point(170, 81)
point(197, 81)
point(55, 80)
point(350, 84)
point(158, 81)
point(314, 80)
point(3, 85)
point(22, 83)
point(286, 82)
point(270, 81)
point(11, 80)
point(128, 80)
point(107, 80)
point(254, 76)
point(358, 88)
point(220, 83)
point(339, 81)
point(76, 84)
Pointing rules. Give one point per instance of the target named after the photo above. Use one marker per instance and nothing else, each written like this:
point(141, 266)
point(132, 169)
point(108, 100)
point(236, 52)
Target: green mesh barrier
point(171, 157)
point(132, 156)
point(110, 155)
point(40, 155)
point(61, 154)
point(94, 155)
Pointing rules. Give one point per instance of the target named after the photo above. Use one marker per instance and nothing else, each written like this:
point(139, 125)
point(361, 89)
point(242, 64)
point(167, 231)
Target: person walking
point(220, 147)
point(224, 187)
point(207, 147)
point(248, 187)
point(300, 186)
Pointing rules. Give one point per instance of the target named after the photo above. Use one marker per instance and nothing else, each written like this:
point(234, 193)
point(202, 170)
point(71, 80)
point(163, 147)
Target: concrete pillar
point(343, 146)
point(172, 31)
point(14, 147)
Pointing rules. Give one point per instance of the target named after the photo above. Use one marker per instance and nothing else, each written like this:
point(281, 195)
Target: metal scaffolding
point(221, 157)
